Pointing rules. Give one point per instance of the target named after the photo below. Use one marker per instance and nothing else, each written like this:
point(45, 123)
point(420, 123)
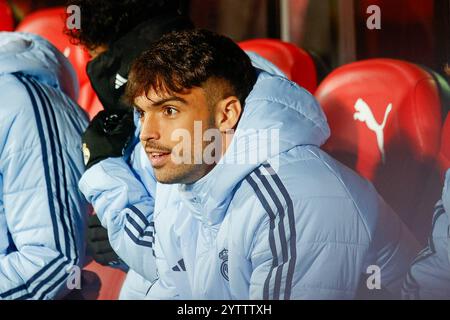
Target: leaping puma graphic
point(364, 114)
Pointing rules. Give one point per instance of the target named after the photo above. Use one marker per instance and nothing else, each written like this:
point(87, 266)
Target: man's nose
point(150, 128)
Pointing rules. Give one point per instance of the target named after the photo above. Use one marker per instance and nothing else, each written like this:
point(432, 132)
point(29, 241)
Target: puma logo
point(364, 114)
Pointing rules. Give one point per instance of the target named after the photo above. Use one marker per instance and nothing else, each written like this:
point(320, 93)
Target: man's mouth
point(158, 158)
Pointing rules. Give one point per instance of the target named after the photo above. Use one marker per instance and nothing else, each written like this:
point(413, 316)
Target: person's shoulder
point(16, 107)
point(302, 184)
point(13, 93)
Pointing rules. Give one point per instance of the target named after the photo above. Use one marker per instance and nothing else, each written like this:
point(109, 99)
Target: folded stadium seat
point(6, 17)
point(49, 23)
point(297, 64)
point(385, 117)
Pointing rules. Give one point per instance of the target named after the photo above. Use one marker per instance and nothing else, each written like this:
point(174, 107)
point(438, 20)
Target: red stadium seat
point(49, 23)
point(385, 118)
point(444, 153)
point(101, 283)
point(6, 17)
point(298, 65)
point(89, 100)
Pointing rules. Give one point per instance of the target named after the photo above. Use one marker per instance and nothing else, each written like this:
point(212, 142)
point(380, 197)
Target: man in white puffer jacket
point(293, 224)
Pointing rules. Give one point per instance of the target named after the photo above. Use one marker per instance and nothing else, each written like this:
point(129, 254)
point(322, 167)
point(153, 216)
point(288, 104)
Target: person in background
point(42, 213)
point(115, 33)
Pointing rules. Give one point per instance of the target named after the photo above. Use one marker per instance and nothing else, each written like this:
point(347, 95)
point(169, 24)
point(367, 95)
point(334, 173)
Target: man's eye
point(170, 112)
point(140, 113)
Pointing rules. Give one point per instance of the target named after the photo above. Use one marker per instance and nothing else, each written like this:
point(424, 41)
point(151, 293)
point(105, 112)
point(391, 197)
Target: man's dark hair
point(185, 59)
point(103, 22)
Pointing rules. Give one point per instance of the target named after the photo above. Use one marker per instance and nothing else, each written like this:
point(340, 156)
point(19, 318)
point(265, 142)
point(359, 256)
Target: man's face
point(168, 123)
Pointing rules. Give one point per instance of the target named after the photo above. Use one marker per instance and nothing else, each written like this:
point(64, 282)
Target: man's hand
point(107, 136)
point(98, 243)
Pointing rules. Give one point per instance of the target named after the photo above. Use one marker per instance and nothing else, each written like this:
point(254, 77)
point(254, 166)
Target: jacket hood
point(35, 56)
point(278, 115)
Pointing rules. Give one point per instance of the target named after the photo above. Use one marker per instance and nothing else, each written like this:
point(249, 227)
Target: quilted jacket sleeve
point(125, 208)
point(43, 211)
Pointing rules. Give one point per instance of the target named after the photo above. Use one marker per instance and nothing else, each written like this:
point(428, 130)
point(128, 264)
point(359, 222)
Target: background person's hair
point(103, 22)
point(186, 59)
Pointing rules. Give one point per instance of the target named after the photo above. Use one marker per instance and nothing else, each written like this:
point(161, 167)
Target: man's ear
point(228, 112)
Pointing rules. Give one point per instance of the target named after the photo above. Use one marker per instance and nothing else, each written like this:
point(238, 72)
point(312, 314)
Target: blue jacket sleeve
point(429, 275)
point(125, 208)
point(41, 208)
